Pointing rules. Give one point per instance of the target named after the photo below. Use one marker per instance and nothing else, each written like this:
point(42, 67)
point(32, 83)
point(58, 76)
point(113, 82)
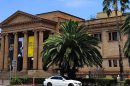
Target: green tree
point(125, 29)
point(71, 49)
point(108, 6)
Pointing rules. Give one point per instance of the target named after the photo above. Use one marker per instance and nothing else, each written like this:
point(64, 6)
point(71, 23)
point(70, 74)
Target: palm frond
point(74, 47)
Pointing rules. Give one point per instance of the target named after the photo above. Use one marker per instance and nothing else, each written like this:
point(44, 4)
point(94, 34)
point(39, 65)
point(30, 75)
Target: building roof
point(61, 12)
point(27, 14)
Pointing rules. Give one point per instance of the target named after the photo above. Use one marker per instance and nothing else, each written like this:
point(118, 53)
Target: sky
point(82, 8)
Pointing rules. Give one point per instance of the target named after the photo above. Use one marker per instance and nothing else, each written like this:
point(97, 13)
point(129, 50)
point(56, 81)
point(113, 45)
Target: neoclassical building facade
point(22, 38)
point(23, 35)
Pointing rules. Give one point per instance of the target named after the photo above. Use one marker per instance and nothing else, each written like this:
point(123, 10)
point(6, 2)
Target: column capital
point(40, 29)
point(52, 32)
point(2, 34)
point(6, 34)
point(35, 30)
point(15, 33)
point(25, 32)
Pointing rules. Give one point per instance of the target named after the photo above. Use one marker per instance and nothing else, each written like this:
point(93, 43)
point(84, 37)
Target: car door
point(58, 81)
point(62, 81)
point(54, 81)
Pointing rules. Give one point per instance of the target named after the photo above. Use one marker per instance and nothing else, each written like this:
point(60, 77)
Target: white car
point(60, 81)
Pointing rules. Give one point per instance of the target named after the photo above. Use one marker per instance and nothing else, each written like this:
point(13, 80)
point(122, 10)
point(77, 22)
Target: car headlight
point(78, 84)
point(75, 83)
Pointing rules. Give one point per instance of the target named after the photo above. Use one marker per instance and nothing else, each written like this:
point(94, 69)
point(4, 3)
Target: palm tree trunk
point(119, 45)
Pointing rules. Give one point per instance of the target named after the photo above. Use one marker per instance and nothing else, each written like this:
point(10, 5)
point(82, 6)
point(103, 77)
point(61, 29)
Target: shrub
point(127, 82)
point(39, 80)
point(16, 80)
point(98, 82)
point(106, 82)
point(26, 80)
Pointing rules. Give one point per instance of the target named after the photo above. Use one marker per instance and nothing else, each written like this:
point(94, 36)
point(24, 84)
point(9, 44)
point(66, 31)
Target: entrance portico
point(23, 25)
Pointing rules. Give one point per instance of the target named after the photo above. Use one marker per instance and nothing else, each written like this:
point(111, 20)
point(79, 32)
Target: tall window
point(113, 63)
point(110, 63)
point(98, 36)
point(113, 36)
point(129, 62)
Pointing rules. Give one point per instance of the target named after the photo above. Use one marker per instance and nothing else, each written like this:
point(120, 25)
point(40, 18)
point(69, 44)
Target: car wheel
point(71, 84)
point(49, 84)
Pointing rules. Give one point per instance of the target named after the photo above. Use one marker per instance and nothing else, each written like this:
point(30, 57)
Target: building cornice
point(104, 22)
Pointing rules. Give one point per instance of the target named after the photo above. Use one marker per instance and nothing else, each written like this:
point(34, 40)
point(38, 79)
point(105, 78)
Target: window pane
point(98, 36)
point(54, 78)
point(109, 36)
point(114, 36)
point(110, 64)
point(115, 63)
point(129, 61)
point(60, 78)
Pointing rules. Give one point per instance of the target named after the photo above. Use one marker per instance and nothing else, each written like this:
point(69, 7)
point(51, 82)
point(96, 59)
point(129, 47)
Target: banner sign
point(30, 46)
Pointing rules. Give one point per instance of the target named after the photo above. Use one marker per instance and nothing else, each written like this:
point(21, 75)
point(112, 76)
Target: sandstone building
point(23, 35)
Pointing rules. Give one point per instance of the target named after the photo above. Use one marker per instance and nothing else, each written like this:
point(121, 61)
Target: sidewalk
point(4, 82)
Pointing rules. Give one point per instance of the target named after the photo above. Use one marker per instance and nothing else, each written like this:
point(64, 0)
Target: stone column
point(35, 63)
point(6, 54)
point(15, 55)
point(2, 52)
point(25, 51)
point(40, 66)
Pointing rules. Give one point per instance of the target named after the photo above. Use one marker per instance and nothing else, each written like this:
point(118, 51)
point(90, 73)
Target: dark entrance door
point(30, 63)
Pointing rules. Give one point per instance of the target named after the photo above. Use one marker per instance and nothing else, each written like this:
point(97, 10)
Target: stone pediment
point(19, 17)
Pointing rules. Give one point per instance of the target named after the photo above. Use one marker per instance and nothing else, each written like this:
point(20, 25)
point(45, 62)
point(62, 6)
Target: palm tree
point(114, 4)
point(71, 49)
point(125, 29)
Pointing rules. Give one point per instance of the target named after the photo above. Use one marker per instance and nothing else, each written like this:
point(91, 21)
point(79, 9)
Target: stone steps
point(6, 74)
point(30, 73)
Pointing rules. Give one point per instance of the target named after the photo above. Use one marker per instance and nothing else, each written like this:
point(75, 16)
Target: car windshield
point(57, 78)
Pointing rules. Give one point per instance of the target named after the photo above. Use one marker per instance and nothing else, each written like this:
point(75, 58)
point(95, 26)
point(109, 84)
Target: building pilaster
point(15, 55)
point(6, 56)
point(25, 51)
point(40, 65)
point(2, 52)
point(35, 63)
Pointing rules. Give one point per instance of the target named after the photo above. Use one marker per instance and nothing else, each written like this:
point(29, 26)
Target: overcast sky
point(81, 8)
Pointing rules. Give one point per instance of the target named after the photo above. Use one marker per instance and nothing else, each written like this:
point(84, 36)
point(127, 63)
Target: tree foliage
point(125, 29)
point(72, 48)
point(108, 5)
